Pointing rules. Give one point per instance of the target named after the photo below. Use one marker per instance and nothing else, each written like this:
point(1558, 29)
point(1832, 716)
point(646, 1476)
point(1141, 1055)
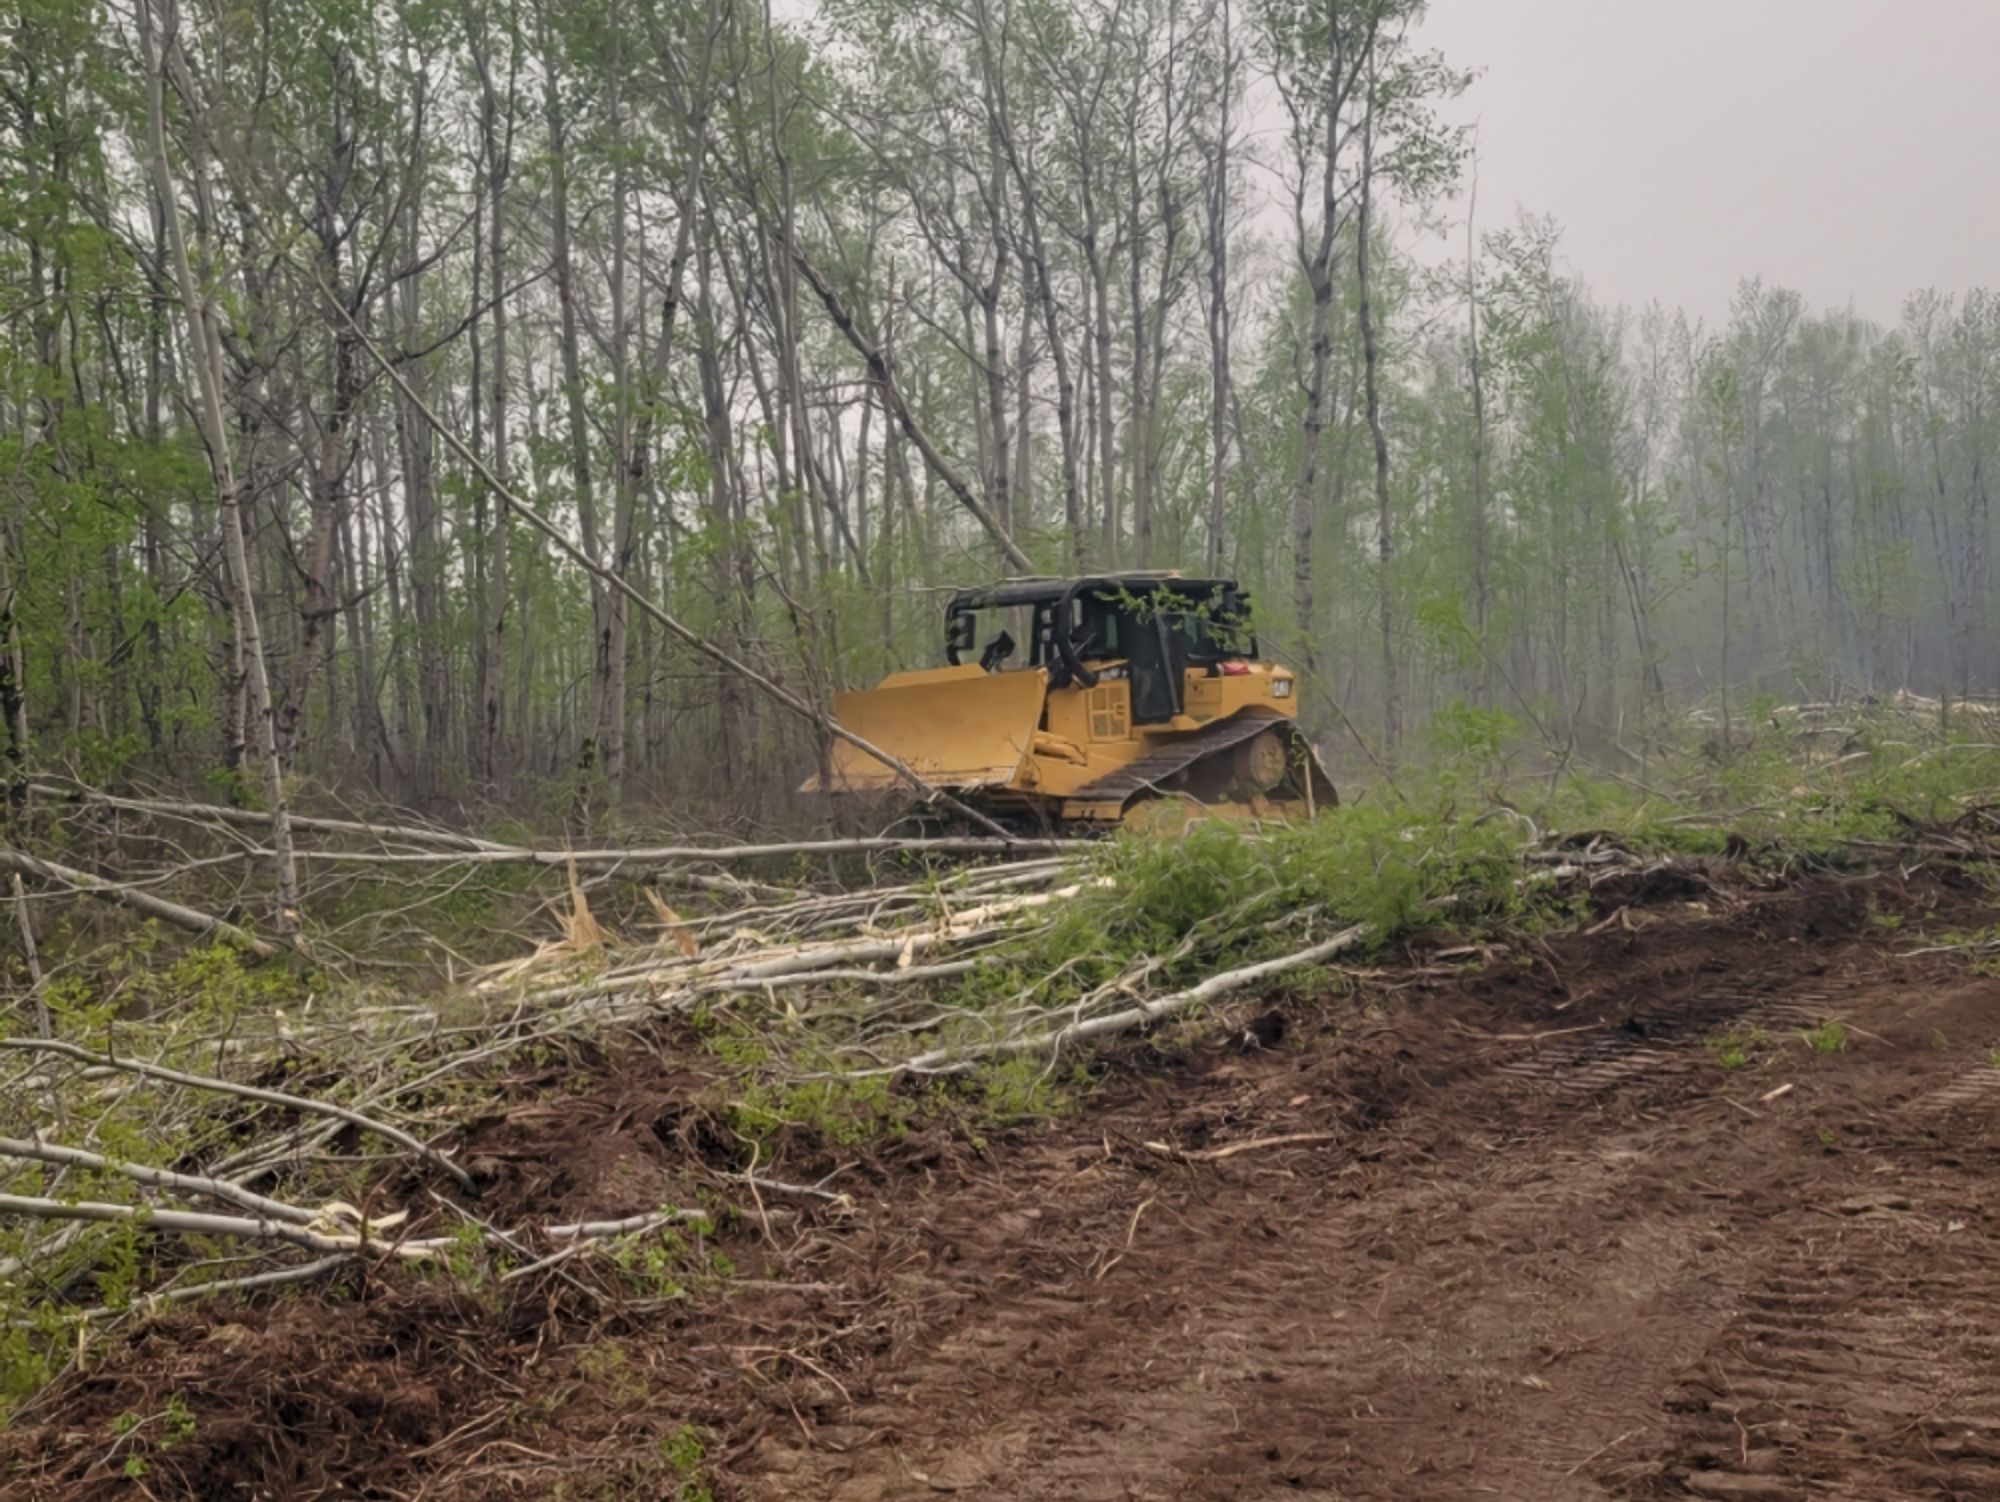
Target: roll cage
point(1158, 623)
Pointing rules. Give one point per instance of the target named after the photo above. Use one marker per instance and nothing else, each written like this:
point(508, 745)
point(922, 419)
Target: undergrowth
point(151, 974)
point(1216, 895)
point(1446, 852)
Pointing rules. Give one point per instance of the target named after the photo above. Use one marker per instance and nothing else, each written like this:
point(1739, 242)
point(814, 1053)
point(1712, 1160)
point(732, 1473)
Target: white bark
point(206, 356)
point(244, 1092)
point(140, 901)
point(1152, 1010)
point(157, 1178)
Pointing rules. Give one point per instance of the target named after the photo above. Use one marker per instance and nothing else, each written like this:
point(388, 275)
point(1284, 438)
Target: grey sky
point(1849, 149)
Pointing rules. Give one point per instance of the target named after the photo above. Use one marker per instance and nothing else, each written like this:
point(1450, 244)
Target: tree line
point(793, 324)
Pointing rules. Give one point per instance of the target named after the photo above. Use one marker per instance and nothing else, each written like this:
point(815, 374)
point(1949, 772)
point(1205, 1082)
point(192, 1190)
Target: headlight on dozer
point(1281, 688)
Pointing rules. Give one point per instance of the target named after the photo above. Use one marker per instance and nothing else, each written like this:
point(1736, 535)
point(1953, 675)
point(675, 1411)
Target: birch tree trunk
point(496, 135)
point(1218, 309)
point(158, 37)
point(1385, 517)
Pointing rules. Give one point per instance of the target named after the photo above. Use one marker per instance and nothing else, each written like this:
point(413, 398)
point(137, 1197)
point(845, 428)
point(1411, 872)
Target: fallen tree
point(137, 898)
point(340, 1114)
point(720, 855)
point(1142, 1014)
point(218, 813)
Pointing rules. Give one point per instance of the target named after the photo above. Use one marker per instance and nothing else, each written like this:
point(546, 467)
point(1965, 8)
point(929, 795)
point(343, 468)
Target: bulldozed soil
point(1697, 1203)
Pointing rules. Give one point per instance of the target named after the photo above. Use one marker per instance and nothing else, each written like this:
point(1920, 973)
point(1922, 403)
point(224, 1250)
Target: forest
point(790, 323)
point(457, 1041)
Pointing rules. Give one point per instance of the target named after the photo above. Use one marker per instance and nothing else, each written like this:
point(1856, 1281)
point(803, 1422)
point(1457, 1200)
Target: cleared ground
point(1615, 1214)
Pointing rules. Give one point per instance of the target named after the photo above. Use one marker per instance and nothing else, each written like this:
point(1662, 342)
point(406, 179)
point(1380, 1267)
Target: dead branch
point(1131, 1235)
point(597, 1230)
point(198, 1223)
point(275, 1278)
point(248, 1092)
point(651, 855)
point(216, 813)
point(833, 1197)
point(36, 1001)
point(41, 1251)
point(181, 916)
point(158, 1178)
point(958, 1057)
point(326, 1231)
point(1256, 1144)
point(901, 977)
point(681, 977)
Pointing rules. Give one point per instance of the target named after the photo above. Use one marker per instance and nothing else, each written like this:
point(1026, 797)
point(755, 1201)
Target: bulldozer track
point(1835, 1368)
point(1981, 1087)
point(1653, 1040)
point(1156, 766)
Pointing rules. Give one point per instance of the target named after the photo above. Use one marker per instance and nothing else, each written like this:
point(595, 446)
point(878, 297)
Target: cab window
point(1101, 627)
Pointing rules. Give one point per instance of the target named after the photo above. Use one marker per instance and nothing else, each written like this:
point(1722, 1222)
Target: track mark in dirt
point(1554, 1270)
point(1863, 1362)
point(1652, 1039)
point(1862, 1359)
point(1979, 1088)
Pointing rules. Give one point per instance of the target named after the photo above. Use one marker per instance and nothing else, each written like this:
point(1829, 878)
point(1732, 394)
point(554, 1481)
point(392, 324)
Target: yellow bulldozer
point(1133, 688)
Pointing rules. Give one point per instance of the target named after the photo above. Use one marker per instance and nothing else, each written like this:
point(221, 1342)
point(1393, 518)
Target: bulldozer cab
point(1149, 628)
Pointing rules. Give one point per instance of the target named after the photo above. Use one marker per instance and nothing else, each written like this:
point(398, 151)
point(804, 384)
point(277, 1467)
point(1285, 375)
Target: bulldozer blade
point(1308, 779)
point(957, 728)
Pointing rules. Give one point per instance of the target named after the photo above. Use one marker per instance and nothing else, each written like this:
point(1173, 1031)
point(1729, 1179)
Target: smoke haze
point(1843, 148)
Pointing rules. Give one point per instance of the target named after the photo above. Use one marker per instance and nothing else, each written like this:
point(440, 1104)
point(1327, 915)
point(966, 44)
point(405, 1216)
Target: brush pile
point(279, 1143)
point(240, 1135)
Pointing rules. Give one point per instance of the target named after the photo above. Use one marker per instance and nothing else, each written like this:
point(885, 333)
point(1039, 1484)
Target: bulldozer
point(1133, 691)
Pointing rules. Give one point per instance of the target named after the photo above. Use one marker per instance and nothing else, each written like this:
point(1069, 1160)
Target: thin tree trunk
point(1107, 434)
point(1312, 423)
point(1023, 475)
point(13, 663)
point(1385, 519)
point(414, 445)
point(562, 265)
point(630, 470)
point(496, 147)
point(207, 357)
point(995, 387)
point(893, 472)
point(1481, 579)
point(1218, 310)
point(995, 98)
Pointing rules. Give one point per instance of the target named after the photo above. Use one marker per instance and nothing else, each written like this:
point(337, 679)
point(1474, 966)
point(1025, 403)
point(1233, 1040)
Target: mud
point(1590, 1217)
